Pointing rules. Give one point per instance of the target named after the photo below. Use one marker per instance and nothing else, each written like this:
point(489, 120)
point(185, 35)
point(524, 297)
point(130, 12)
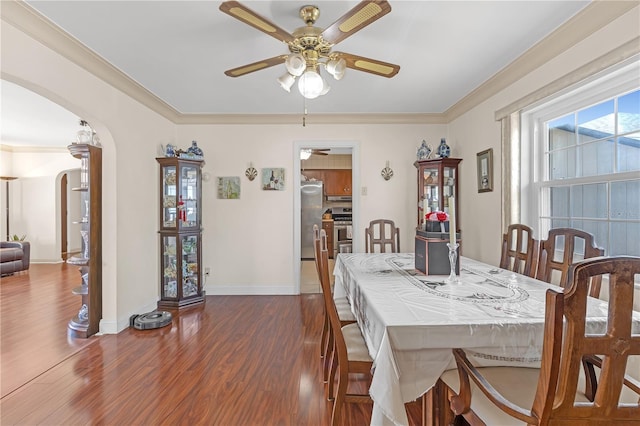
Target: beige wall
point(477, 130)
point(129, 133)
point(35, 196)
point(248, 243)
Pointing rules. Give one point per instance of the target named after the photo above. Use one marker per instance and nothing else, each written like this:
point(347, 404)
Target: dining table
point(411, 322)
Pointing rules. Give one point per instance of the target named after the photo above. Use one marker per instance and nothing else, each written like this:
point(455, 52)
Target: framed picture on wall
point(229, 187)
point(273, 179)
point(485, 170)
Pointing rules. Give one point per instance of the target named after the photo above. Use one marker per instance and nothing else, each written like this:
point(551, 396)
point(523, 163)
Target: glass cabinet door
point(430, 192)
point(437, 182)
point(169, 267)
point(188, 197)
point(169, 194)
point(190, 265)
point(448, 186)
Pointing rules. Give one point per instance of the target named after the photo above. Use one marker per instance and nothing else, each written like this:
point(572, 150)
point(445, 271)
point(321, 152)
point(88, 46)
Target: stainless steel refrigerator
point(310, 213)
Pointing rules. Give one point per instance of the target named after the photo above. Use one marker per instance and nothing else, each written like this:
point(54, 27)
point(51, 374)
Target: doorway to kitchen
point(324, 194)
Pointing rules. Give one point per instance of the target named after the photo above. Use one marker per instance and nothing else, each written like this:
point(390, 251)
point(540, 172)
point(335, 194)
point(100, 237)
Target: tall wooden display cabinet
point(87, 322)
point(437, 181)
point(180, 232)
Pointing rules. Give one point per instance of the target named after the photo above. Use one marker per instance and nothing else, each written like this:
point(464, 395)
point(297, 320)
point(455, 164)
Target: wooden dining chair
point(350, 353)
point(553, 393)
point(568, 241)
point(382, 234)
point(316, 256)
point(342, 306)
point(519, 250)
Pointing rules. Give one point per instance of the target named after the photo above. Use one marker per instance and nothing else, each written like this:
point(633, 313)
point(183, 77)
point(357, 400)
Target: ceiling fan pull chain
point(304, 112)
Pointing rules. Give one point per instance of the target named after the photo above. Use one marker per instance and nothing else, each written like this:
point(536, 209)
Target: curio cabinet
point(437, 181)
point(89, 224)
point(180, 232)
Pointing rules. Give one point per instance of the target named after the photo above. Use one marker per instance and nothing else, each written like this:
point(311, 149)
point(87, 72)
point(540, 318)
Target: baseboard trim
point(251, 290)
point(115, 327)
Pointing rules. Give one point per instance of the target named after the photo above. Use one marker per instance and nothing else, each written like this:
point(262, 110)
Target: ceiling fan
point(310, 46)
point(305, 153)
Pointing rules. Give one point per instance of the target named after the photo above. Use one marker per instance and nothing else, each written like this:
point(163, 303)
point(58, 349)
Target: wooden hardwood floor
point(237, 360)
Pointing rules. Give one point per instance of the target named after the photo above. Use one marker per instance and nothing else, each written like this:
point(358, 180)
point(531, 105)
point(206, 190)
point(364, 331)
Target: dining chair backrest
point(325, 283)
point(575, 245)
point(382, 236)
point(316, 247)
point(519, 250)
point(350, 352)
point(567, 342)
point(323, 270)
point(613, 346)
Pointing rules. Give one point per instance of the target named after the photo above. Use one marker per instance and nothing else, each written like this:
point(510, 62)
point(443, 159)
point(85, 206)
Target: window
point(584, 167)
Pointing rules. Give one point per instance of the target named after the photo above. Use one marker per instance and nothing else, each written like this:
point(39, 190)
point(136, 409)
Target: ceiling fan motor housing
point(309, 39)
point(309, 14)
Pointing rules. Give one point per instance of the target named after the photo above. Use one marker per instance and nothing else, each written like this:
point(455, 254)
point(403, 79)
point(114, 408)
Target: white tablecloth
point(411, 322)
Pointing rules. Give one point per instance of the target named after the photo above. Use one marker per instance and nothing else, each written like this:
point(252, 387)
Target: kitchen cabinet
point(327, 225)
point(437, 181)
point(180, 232)
point(336, 182)
point(89, 261)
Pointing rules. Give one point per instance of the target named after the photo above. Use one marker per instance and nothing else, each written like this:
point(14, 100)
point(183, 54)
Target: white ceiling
point(179, 50)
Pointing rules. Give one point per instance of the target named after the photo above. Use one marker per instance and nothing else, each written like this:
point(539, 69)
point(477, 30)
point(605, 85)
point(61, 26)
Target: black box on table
point(432, 253)
point(436, 227)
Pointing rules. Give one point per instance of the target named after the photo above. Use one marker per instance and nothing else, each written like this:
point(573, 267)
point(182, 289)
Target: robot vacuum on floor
point(150, 320)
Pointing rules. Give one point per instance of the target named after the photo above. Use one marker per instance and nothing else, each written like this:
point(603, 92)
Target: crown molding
point(619, 56)
point(38, 149)
point(311, 119)
point(595, 16)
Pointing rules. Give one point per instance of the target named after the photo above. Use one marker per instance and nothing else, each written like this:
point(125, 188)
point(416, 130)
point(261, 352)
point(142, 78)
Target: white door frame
point(355, 187)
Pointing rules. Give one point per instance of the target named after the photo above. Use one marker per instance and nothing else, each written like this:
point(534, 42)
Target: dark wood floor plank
point(236, 360)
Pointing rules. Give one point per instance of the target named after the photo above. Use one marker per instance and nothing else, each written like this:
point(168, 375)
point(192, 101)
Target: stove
point(341, 215)
point(341, 230)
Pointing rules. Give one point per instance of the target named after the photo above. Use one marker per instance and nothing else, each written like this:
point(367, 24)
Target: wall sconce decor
point(387, 172)
point(251, 172)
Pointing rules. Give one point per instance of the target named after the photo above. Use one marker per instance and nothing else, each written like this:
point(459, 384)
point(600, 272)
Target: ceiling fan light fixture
point(305, 154)
point(286, 81)
point(311, 84)
point(336, 67)
point(325, 88)
point(296, 64)
point(338, 76)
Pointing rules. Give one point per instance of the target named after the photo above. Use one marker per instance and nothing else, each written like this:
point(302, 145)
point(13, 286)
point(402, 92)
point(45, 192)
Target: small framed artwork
point(273, 179)
point(485, 170)
point(229, 187)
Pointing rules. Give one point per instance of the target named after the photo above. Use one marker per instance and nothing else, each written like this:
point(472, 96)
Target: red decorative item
point(437, 217)
point(181, 210)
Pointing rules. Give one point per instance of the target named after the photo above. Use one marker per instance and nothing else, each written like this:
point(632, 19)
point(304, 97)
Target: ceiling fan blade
point(373, 66)
point(249, 17)
point(365, 13)
point(318, 153)
point(256, 66)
